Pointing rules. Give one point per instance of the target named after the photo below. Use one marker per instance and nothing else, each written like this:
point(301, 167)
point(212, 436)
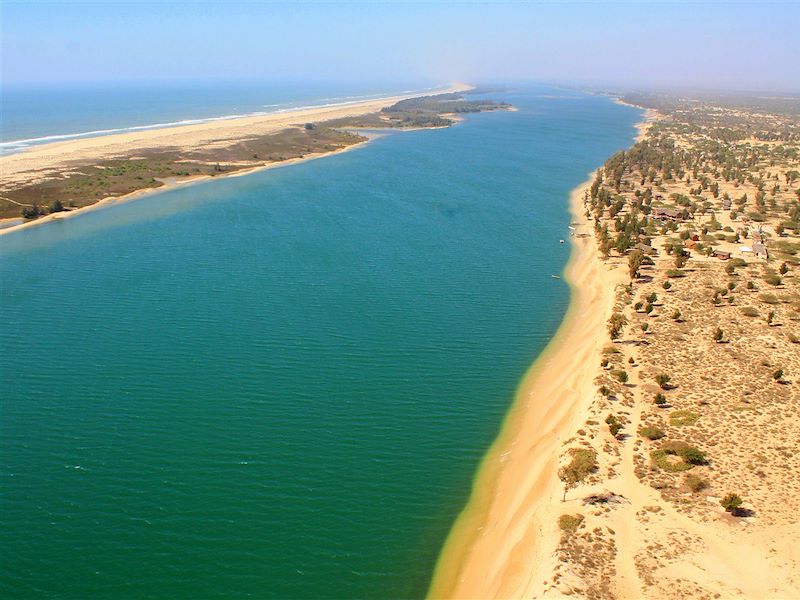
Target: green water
point(280, 385)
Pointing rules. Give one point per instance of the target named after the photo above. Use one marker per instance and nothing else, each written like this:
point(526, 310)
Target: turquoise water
point(280, 385)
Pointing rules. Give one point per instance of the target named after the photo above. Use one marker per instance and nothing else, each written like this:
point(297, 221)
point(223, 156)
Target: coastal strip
point(503, 543)
point(201, 151)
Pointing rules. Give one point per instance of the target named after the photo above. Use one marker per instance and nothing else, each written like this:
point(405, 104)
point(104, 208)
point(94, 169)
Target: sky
point(640, 45)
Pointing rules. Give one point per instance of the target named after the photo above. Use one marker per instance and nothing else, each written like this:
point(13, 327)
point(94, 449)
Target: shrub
point(731, 502)
point(620, 375)
point(676, 315)
point(675, 273)
point(604, 391)
point(662, 379)
point(693, 456)
point(660, 399)
point(645, 327)
point(778, 375)
point(651, 433)
point(56, 206)
point(718, 335)
point(784, 269)
point(695, 483)
point(667, 285)
point(750, 285)
point(768, 298)
point(773, 280)
point(584, 461)
point(569, 523)
point(749, 311)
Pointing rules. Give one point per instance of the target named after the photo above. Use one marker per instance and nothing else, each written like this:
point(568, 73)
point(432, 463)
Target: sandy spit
point(40, 161)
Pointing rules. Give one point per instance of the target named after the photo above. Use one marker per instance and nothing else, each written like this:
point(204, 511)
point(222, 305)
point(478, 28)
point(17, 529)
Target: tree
point(615, 325)
point(635, 260)
point(56, 206)
point(31, 212)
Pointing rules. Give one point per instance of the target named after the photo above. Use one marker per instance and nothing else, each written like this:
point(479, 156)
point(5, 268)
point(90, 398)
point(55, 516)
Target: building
point(667, 214)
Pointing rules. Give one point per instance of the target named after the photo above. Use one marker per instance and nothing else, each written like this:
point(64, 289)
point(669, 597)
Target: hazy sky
point(747, 46)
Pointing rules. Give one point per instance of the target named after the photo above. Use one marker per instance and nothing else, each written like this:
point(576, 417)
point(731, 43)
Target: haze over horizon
point(688, 45)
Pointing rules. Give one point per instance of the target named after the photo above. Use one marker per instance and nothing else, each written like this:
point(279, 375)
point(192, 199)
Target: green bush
point(731, 502)
point(651, 433)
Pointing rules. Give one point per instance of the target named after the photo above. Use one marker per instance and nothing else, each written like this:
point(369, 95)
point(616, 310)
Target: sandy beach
point(503, 543)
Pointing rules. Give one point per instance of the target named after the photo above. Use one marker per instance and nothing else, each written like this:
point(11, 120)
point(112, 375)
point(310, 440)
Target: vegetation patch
point(679, 418)
point(675, 457)
point(695, 483)
point(569, 523)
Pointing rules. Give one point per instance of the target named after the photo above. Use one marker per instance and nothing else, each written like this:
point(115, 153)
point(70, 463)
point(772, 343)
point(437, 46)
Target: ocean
point(281, 385)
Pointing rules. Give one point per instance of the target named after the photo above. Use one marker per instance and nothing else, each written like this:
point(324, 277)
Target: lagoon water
point(280, 385)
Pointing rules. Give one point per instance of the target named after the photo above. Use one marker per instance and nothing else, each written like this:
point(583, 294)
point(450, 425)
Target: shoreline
point(110, 201)
point(503, 543)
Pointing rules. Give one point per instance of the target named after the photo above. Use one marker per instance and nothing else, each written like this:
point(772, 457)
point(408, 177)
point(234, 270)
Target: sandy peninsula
point(58, 161)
